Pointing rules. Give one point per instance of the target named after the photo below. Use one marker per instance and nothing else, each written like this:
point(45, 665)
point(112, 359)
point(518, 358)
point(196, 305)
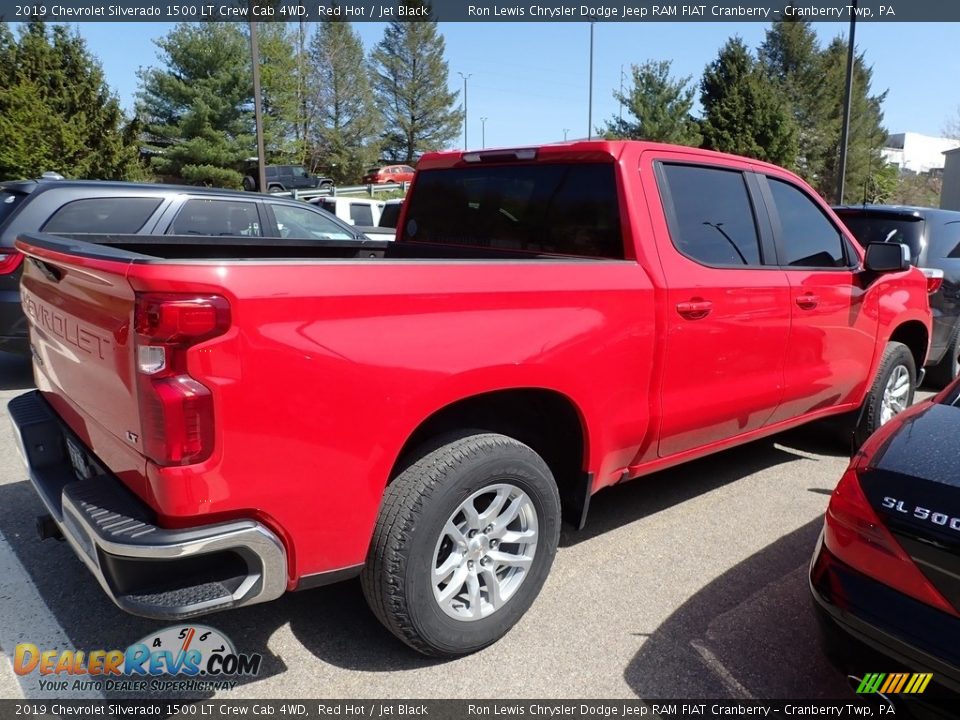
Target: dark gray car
point(933, 236)
point(118, 208)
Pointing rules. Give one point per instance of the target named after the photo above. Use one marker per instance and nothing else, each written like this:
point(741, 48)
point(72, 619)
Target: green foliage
point(344, 122)
point(197, 108)
point(410, 86)
point(743, 114)
point(812, 80)
point(659, 105)
point(279, 90)
point(923, 190)
point(790, 55)
point(867, 134)
point(57, 112)
point(212, 176)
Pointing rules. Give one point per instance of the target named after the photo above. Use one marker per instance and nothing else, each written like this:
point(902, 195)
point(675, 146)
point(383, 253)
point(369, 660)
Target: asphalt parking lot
point(687, 584)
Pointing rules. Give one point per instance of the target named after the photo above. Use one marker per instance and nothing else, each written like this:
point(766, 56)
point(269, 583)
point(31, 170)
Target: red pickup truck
point(221, 420)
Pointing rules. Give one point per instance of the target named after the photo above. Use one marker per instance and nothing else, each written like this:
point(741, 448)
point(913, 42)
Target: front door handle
point(808, 301)
point(695, 309)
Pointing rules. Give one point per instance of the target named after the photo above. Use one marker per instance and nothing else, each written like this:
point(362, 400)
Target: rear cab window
point(361, 214)
point(114, 215)
point(549, 208)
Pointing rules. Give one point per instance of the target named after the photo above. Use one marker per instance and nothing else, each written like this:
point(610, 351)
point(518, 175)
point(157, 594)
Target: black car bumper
point(862, 619)
point(145, 569)
point(13, 323)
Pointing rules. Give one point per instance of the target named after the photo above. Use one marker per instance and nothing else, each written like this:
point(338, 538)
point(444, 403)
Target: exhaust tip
point(47, 528)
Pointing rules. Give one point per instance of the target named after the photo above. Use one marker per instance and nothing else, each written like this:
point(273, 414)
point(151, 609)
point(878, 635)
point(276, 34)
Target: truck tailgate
point(80, 312)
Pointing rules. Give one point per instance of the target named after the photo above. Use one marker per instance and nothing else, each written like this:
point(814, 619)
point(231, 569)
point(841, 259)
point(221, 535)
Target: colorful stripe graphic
point(894, 683)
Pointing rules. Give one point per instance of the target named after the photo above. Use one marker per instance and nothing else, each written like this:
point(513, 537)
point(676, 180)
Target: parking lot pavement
point(690, 583)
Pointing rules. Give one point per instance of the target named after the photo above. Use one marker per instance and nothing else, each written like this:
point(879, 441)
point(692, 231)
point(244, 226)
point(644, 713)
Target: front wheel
point(465, 539)
point(891, 392)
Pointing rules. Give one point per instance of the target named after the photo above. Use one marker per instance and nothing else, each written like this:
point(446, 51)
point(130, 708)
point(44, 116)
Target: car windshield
point(870, 227)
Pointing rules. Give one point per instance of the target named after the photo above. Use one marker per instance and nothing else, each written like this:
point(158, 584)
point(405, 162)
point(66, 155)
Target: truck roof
point(577, 151)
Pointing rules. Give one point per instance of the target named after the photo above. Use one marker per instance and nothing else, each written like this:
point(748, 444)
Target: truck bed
point(159, 248)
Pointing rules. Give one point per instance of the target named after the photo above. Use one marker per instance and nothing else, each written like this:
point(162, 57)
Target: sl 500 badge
point(921, 513)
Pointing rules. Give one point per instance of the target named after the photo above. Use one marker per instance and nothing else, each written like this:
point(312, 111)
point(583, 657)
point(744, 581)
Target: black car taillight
point(10, 260)
point(854, 534)
point(176, 410)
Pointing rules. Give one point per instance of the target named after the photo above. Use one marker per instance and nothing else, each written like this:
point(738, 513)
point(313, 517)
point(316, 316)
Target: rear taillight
point(176, 410)
point(855, 535)
point(934, 279)
point(10, 260)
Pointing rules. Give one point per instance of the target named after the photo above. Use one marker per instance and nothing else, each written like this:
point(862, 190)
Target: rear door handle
point(808, 301)
point(695, 309)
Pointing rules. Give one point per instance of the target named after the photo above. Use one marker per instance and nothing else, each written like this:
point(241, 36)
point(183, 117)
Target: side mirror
point(887, 257)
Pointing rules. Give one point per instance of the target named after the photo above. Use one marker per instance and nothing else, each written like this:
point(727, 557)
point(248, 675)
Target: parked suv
point(116, 208)
point(285, 177)
point(933, 237)
point(388, 174)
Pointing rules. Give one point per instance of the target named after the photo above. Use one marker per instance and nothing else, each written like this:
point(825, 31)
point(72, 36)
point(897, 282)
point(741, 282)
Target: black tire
point(249, 184)
point(438, 480)
point(275, 188)
point(325, 186)
point(947, 370)
point(895, 355)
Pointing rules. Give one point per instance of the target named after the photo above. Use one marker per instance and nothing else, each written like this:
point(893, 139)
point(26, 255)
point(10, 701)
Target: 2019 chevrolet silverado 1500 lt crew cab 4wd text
point(221, 420)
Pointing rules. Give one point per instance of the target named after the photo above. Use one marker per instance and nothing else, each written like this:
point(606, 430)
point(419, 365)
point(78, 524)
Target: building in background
point(916, 153)
point(950, 195)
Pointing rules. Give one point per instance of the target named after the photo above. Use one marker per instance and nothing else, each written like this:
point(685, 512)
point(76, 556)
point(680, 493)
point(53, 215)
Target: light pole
point(590, 97)
point(483, 132)
point(465, 78)
point(257, 108)
point(845, 132)
point(565, 131)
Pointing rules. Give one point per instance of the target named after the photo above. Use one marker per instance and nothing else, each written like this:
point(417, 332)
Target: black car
point(885, 575)
point(90, 206)
point(284, 177)
point(933, 237)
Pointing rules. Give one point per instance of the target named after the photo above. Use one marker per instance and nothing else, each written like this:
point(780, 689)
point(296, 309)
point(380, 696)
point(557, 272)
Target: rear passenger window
point(551, 208)
point(712, 219)
point(809, 238)
point(121, 215)
point(361, 214)
point(217, 217)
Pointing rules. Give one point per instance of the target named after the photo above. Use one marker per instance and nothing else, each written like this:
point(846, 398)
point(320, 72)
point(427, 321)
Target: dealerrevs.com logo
point(182, 657)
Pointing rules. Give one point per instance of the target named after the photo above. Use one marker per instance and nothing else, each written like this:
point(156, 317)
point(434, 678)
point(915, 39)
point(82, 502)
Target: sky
point(531, 80)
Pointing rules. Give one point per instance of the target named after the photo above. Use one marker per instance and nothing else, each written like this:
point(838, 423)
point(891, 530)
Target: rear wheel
point(891, 392)
point(465, 539)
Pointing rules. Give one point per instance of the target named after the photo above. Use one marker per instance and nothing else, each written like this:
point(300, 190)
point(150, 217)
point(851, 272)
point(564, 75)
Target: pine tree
point(279, 85)
point(742, 111)
point(659, 105)
point(867, 135)
point(791, 57)
point(197, 109)
point(410, 86)
point(345, 124)
point(57, 112)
